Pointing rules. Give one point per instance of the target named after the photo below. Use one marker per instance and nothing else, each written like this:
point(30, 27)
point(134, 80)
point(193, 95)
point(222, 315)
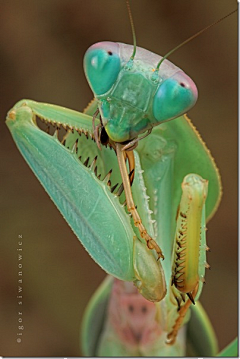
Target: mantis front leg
point(69, 181)
point(188, 259)
point(151, 243)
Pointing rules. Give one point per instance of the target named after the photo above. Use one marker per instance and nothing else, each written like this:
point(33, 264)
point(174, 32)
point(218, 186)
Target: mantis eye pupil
point(144, 309)
point(182, 84)
point(110, 53)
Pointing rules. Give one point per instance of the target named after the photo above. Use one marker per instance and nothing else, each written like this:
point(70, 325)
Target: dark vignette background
point(42, 43)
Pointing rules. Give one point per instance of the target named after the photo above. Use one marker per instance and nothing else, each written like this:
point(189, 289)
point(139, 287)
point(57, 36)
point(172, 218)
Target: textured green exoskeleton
point(118, 82)
point(130, 99)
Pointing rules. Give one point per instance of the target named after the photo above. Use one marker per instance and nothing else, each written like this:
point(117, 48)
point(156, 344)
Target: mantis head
point(133, 95)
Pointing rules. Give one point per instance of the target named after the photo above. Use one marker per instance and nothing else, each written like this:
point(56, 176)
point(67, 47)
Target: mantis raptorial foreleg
point(171, 337)
point(189, 242)
point(130, 203)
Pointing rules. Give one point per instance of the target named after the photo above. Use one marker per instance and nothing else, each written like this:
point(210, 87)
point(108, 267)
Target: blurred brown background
point(42, 46)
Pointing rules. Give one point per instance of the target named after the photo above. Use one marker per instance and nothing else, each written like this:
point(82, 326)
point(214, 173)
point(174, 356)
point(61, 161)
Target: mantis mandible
point(26, 111)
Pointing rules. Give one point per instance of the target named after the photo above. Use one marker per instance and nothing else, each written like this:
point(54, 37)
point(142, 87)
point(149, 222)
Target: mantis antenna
point(133, 29)
point(191, 38)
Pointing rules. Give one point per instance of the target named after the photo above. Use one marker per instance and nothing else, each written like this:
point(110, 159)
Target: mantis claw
point(171, 337)
point(190, 296)
point(151, 243)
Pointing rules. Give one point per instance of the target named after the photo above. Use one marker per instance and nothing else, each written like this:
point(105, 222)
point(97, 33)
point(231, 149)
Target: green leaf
point(230, 350)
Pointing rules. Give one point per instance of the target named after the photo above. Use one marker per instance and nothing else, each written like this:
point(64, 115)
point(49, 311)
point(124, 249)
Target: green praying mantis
point(129, 248)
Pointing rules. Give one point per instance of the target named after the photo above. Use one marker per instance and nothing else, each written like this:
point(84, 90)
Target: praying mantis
point(139, 143)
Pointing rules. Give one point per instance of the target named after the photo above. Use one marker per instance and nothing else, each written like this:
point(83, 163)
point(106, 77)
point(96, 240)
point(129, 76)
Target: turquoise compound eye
point(102, 66)
point(174, 97)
